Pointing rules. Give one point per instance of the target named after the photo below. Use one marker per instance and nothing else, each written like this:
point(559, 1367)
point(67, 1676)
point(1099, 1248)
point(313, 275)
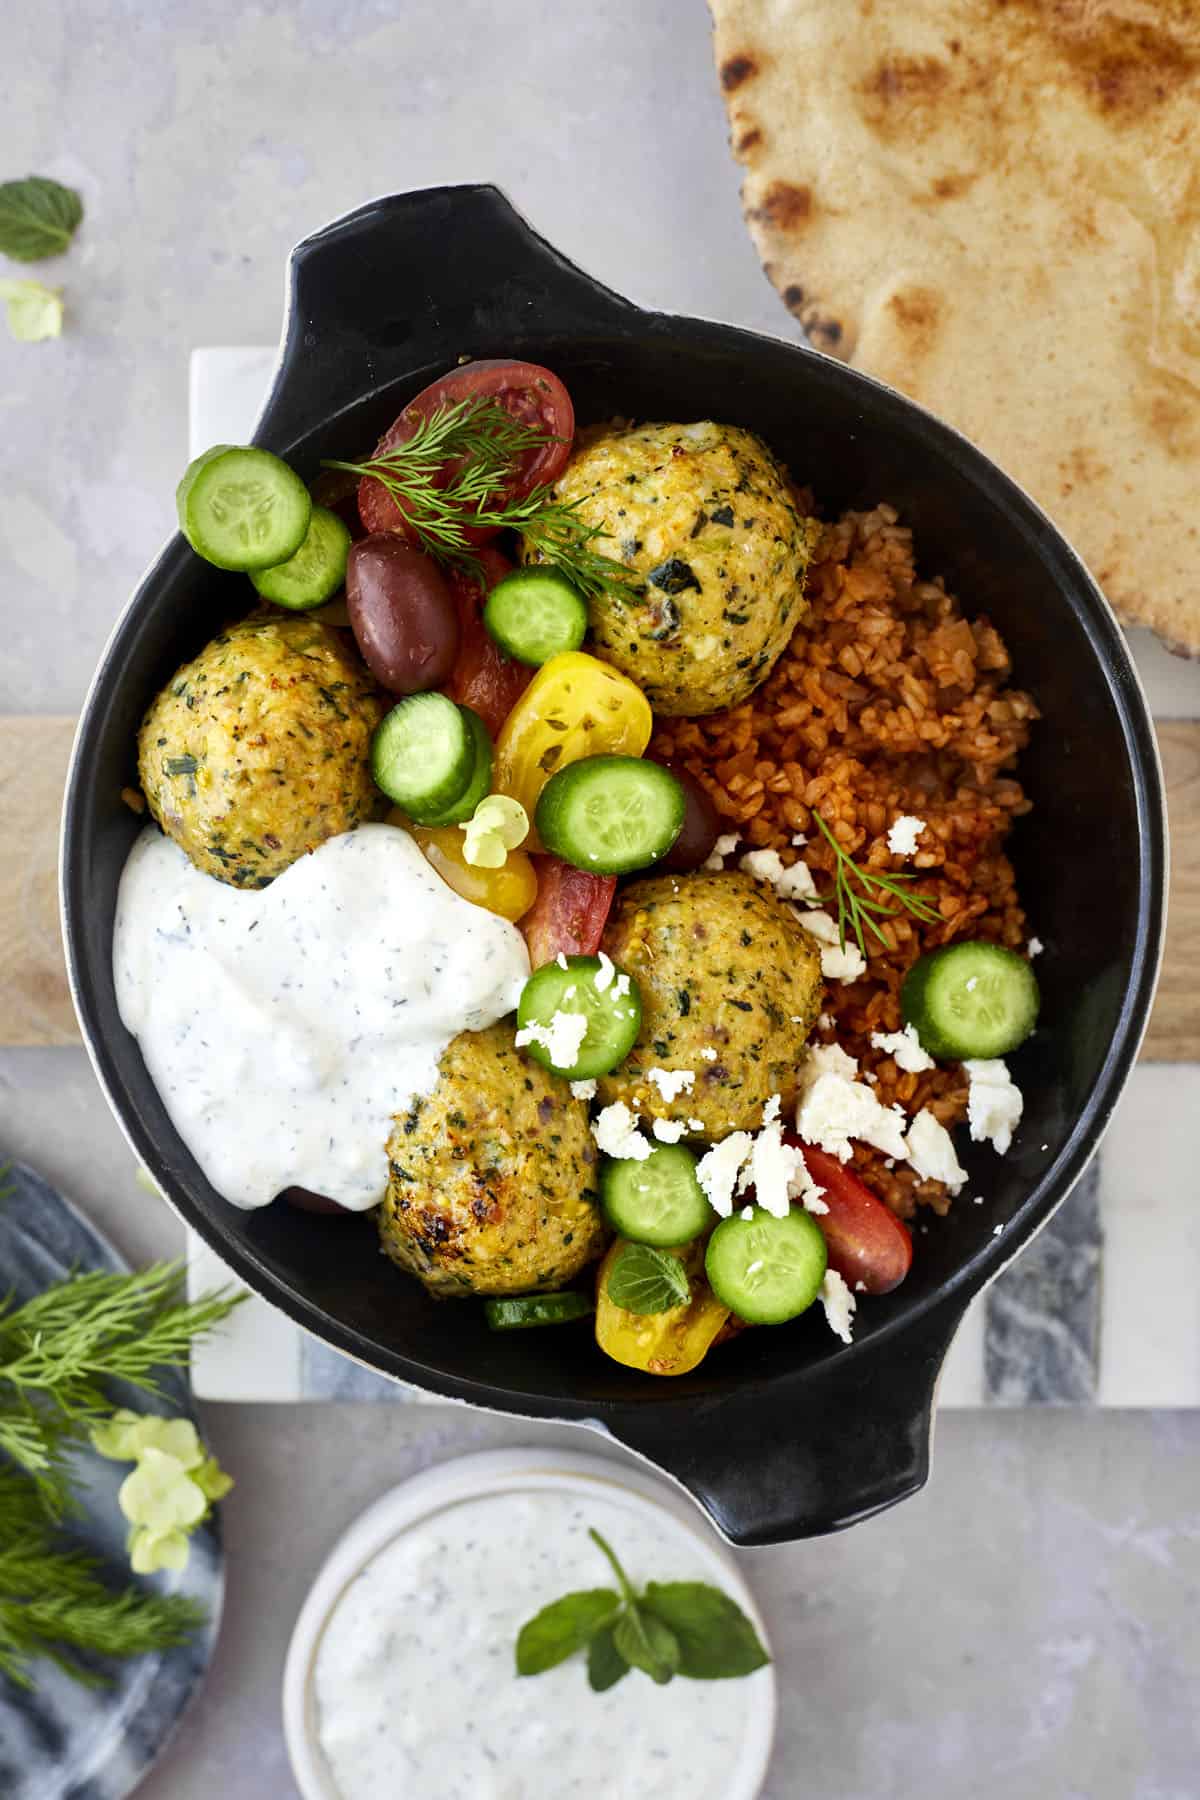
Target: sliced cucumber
point(423, 755)
point(480, 784)
point(611, 814)
point(970, 1000)
point(519, 1311)
point(658, 1201)
point(613, 1018)
point(766, 1270)
point(317, 570)
point(535, 614)
point(242, 508)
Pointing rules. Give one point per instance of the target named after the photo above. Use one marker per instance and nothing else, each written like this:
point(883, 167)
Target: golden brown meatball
point(258, 749)
point(703, 514)
point(731, 987)
point(492, 1186)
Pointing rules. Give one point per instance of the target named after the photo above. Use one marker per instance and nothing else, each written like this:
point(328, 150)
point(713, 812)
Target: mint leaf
point(562, 1628)
point(644, 1280)
point(605, 1664)
point(34, 310)
point(716, 1640)
point(646, 1643)
point(38, 218)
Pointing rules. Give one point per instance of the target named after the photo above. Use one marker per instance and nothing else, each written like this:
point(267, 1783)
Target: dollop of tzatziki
point(415, 1678)
point(284, 1028)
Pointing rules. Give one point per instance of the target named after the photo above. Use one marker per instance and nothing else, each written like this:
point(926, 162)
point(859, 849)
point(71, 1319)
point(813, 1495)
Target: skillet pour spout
point(781, 1433)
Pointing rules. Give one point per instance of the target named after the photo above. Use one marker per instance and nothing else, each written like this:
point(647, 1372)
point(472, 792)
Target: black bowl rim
point(1022, 512)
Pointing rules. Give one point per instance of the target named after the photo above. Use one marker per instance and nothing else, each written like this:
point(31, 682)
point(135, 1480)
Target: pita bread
point(996, 208)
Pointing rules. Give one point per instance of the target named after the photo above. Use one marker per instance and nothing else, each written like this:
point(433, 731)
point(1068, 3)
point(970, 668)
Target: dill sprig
point(860, 908)
point(480, 442)
point(59, 1349)
point(57, 1352)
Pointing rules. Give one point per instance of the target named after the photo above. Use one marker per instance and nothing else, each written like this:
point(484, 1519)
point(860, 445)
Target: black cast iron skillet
point(782, 1433)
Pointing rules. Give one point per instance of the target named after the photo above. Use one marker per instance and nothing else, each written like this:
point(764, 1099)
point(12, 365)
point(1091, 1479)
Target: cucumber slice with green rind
point(479, 786)
point(317, 570)
point(613, 1019)
point(611, 815)
point(535, 614)
point(970, 1000)
point(423, 755)
point(766, 1270)
point(242, 508)
point(517, 1312)
point(658, 1201)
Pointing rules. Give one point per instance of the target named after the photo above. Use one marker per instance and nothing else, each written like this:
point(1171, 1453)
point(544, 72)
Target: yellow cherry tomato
point(575, 706)
point(509, 891)
point(665, 1343)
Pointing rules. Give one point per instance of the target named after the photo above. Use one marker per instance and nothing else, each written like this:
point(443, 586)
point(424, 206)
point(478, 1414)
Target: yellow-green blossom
point(498, 824)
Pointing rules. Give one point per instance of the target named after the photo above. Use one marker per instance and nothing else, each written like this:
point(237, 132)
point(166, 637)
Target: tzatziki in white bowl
point(401, 1675)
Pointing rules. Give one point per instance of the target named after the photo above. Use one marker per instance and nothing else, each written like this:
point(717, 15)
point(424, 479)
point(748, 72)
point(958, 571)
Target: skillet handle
point(415, 280)
point(826, 1452)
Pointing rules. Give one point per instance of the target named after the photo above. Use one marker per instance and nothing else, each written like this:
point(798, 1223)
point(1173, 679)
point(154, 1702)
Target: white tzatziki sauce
point(283, 1028)
point(416, 1686)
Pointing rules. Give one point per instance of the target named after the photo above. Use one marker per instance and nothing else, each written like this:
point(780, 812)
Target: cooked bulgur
point(886, 702)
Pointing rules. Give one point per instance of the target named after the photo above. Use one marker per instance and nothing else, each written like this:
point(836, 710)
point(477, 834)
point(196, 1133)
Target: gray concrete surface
point(1028, 1627)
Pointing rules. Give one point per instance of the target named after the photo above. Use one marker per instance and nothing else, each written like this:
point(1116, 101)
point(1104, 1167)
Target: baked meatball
point(704, 515)
point(258, 749)
point(731, 988)
point(492, 1182)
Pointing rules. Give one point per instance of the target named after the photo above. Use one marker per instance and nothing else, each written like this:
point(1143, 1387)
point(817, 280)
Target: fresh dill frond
point(857, 895)
point(75, 1617)
point(67, 1341)
point(480, 443)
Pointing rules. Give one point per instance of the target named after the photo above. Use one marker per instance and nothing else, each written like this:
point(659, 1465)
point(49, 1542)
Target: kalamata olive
point(304, 1200)
point(402, 613)
point(701, 826)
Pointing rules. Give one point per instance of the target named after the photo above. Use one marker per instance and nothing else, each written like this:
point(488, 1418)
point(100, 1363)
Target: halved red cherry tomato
point(867, 1243)
point(483, 677)
point(570, 912)
point(530, 393)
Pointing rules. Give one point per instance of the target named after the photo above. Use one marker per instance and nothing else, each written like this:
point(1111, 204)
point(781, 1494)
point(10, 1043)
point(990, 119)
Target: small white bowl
point(468, 1478)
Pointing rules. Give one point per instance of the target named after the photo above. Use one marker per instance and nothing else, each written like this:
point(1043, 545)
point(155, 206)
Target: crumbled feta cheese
point(835, 1108)
point(996, 1230)
point(668, 1131)
point(903, 835)
point(708, 1053)
point(561, 959)
point(829, 1059)
point(978, 1200)
point(825, 1022)
point(724, 846)
point(839, 1304)
point(930, 1150)
point(771, 1110)
point(799, 839)
point(860, 1287)
point(621, 986)
point(1034, 947)
point(696, 1125)
point(837, 963)
point(604, 974)
point(616, 1133)
point(905, 1049)
point(994, 1103)
point(560, 1039)
point(747, 1213)
point(584, 1090)
point(672, 1082)
point(795, 883)
point(772, 1169)
point(718, 1170)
